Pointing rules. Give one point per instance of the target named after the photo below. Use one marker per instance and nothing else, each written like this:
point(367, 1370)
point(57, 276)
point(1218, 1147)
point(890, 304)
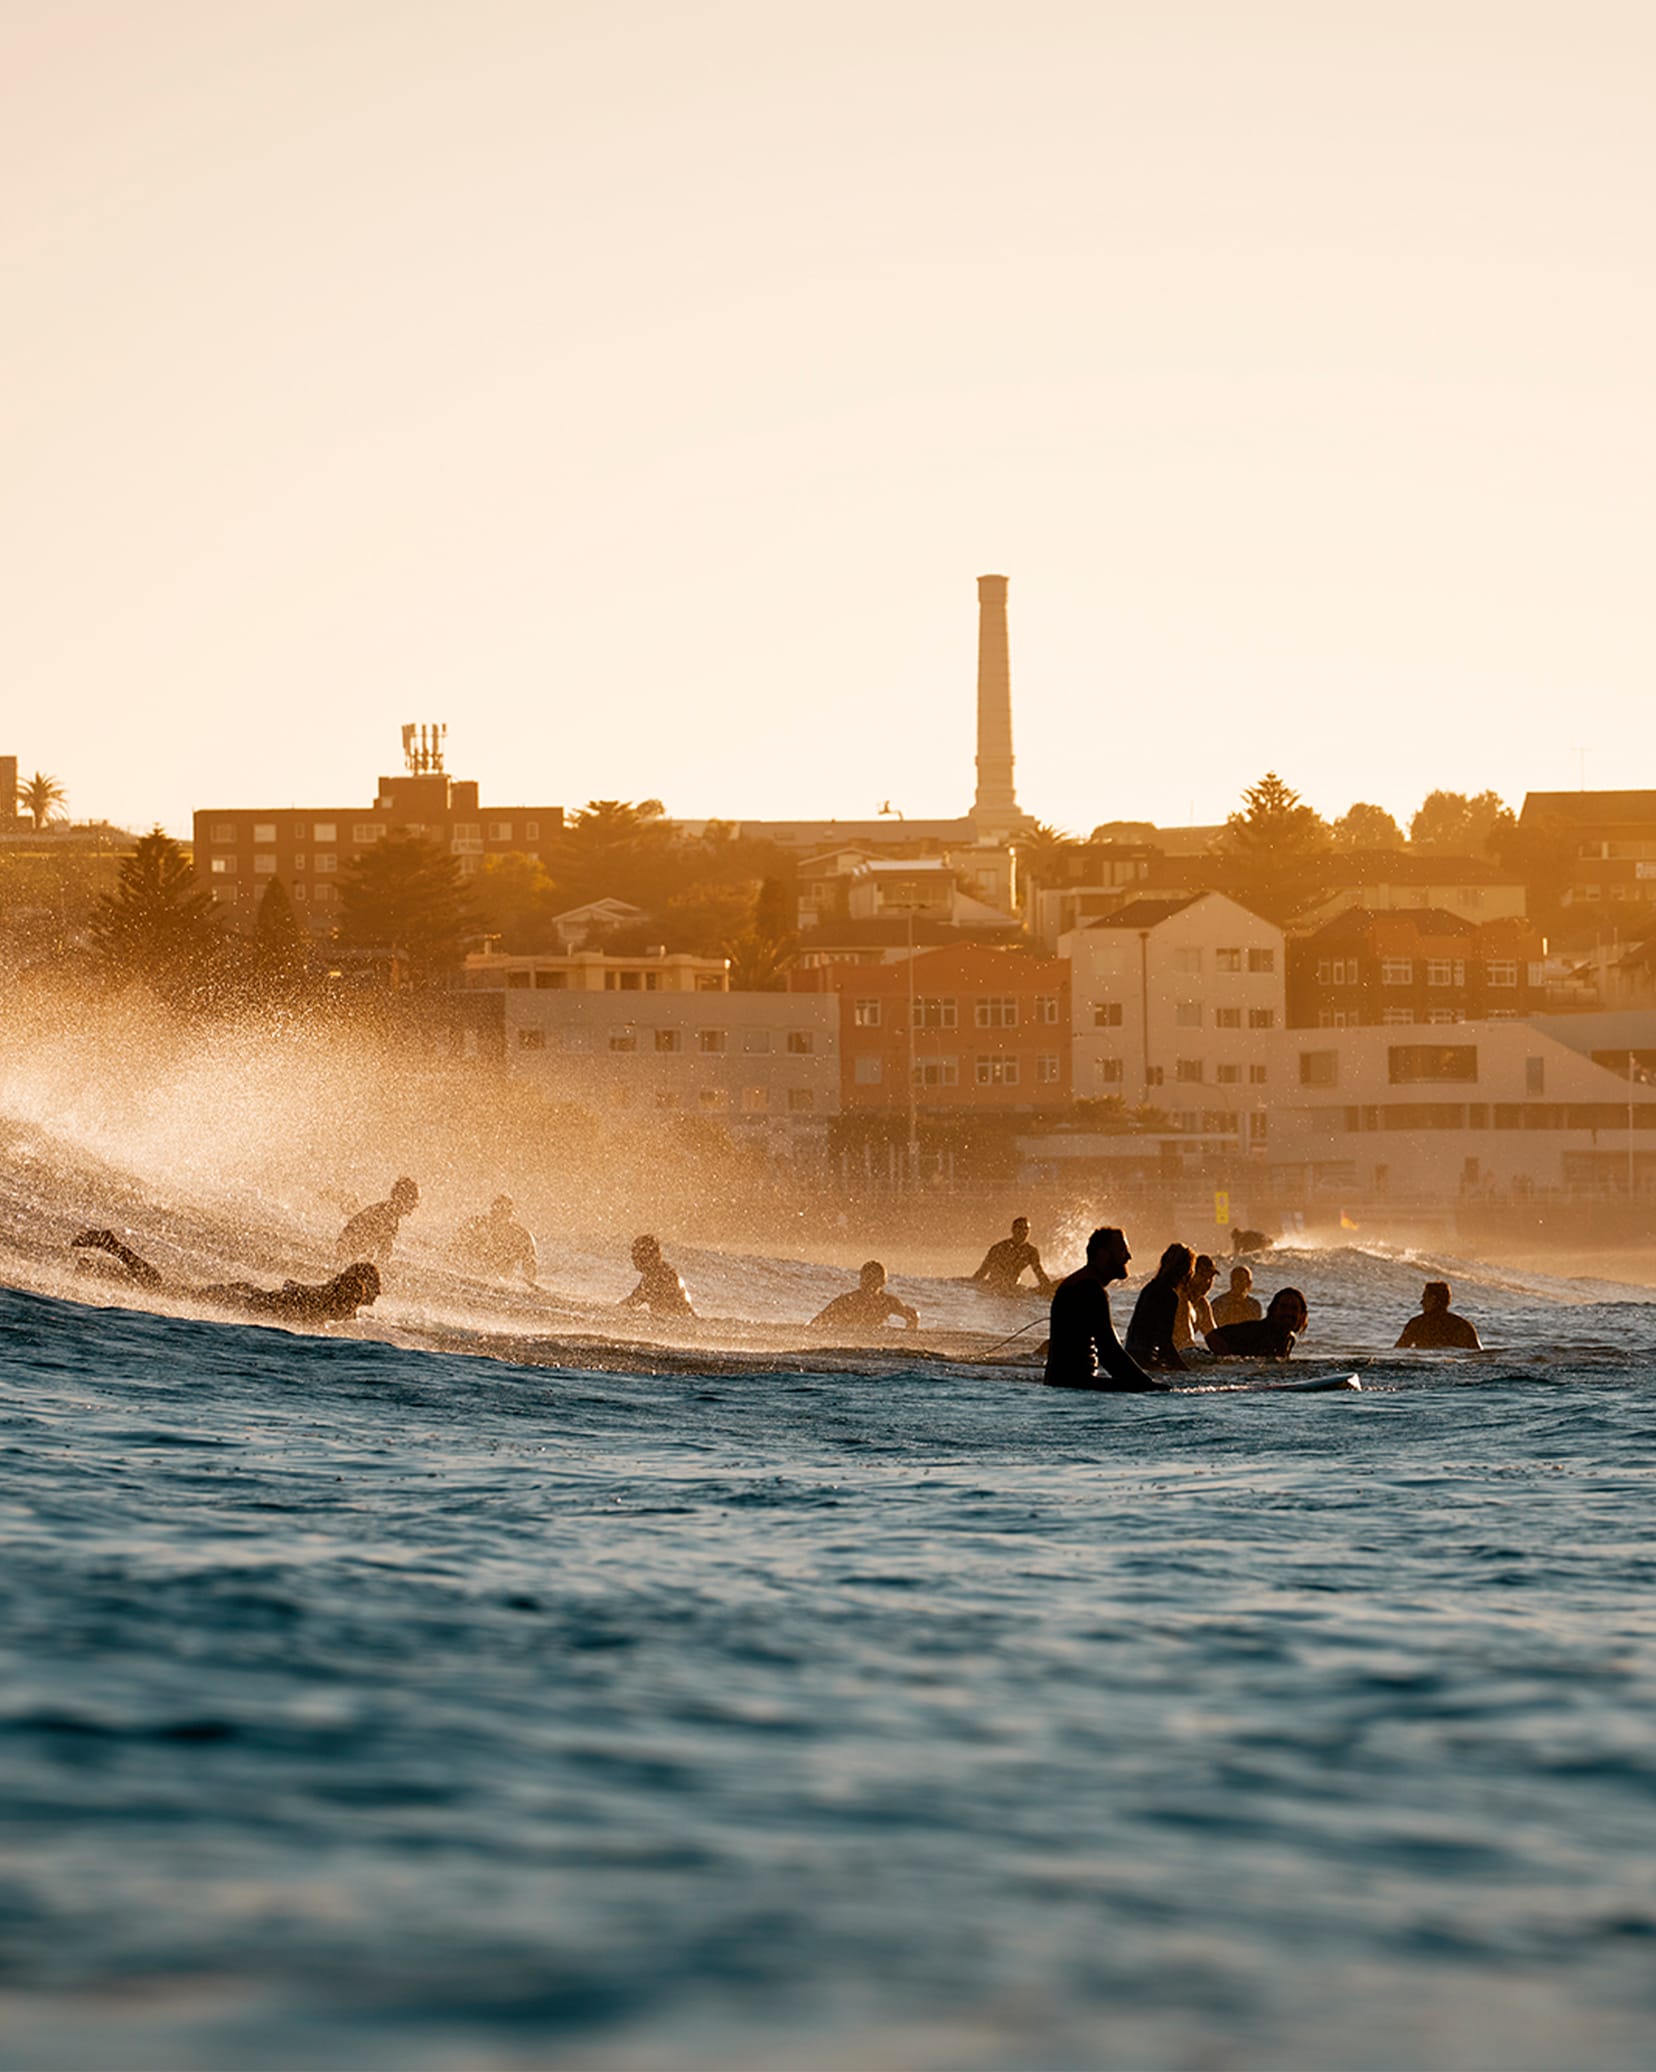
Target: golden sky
point(640, 387)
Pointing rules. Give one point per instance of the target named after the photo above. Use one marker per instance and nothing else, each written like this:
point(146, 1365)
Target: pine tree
point(280, 953)
point(406, 894)
point(158, 926)
point(1275, 851)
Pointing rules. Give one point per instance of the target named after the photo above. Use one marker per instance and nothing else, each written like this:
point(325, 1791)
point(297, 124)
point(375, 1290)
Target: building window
point(1227, 1075)
point(518, 981)
point(1502, 972)
point(298, 891)
point(1444, 1014)
point(366, 832)
point(1188, 961)
point(1261, 1017)
point(1257, 1075)
point(867, 1072)
point(936, 1072)
point(264, 830)
point(710, 1041)
point(500, 830)
point(1397, 971)
point(1227, 1017)
point(1048, 1069)
point(299, 861)
point(1046, 1008)
point(552, 981)
point(1106, 1014)
point(1319, 1068)
point(1441, 971)
point(1109, 1071)
point(264, 866)
point(999, 1013)
point(1187, 1014)
point(801, 1100)
point(326, 861)
point(1262, 960)
point(801, 1043)
point(532, 1039)
point(222, 866)
point(1227, 960)
point(324, 831)
point(623, 1039)
point(1395, 1018)
point(325, 893)
point(1535, 1075)
point(755, 1099)
point(224, 831)
point(668, 1040)
point(531, 830)
point(756, 1043)
point(997, 1071)
point(713, 1097)
point(711, 982)
point(1408, 1064)
point(865, 1014)
point(1219, 1122)
point(1189, 1070)
point(935, 1014)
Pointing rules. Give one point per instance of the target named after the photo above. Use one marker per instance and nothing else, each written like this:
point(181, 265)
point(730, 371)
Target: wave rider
point(294, 1302)
point(1083, 1340)
point(866, 1306)
point(1004, 1263)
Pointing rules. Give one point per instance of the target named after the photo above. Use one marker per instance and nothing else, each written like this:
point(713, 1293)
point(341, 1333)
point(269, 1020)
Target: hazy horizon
point(640, 391)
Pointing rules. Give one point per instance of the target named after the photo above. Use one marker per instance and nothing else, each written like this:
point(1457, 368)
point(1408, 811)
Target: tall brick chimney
point(995, 808)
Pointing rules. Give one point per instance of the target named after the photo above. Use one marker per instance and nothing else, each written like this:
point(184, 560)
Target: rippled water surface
point(376, 1705)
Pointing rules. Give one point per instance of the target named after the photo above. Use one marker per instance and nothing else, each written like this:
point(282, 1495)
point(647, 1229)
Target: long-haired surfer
point(294, 1302)
point(1155, 1314)
point(1270, 1337)
point(1083, 1339)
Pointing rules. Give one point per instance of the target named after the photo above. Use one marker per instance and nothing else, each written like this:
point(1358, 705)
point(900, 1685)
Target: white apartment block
point(1178, 1004)
point(763, 1065)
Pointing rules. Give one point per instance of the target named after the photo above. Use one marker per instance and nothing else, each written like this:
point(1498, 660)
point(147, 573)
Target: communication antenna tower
point(423, 749)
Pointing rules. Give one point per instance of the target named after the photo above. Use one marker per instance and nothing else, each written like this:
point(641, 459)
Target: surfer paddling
point(659, 1289)
point(1437, 1328)
point(866, 1306)
point(294, 1302)
point(1083, 1351)
point(1270, 1337)
point(1004, 1263)
point(372, 1231)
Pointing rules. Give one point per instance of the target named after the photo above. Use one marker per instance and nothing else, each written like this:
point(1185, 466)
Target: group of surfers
point(1172, 1313)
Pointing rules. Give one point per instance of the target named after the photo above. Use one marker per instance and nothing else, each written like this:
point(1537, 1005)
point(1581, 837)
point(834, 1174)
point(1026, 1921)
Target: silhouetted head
point(1107, 1250)
point(502, 1205)
point(405, 1195)
point(1176, 1263)
point(1203, 1273)
point(357, 1287)
point(1241, 1280)
point(872, 1275)
point(645, 1251)
point(1020, 1228)
point(1288, 1307)
point(1434, 1296)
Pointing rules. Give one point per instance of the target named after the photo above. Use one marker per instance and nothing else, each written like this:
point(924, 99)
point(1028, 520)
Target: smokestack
point(996, 806)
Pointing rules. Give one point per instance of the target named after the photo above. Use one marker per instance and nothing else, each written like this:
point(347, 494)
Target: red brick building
point(974, 1030)
point(1367, 970)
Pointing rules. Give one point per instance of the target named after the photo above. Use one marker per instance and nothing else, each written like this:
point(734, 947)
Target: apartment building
point(239, 849)
point(1176, 1004)
point(1607, 844)
point(1390, 880)
point(1387, 970)
point(970, 1029)
point(595, 971)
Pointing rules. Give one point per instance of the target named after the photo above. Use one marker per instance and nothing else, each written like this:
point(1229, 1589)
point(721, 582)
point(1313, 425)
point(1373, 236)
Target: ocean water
point(604, 1701)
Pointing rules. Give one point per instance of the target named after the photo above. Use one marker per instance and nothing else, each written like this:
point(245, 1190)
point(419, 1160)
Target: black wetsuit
point(370, 1234)
point(1261, 1338)
point(862, 1309)
point(1440, 1330)
point(1150, 1334)
point(660, 1291)
point(1004, 1263)
point(1083, 1340)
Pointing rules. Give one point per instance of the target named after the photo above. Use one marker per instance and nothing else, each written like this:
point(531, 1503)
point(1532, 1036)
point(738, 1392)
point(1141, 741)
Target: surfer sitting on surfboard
point(1150, 1334)
point(1083, 1337)
point(1004, 1263)
point(866, 1306)
point(294, 1302)
point(659, 1289)
point(1270, 1337)
point(1437, 1327)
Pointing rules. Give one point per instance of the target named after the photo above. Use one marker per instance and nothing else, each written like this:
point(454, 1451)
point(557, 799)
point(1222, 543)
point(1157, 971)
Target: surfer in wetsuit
point(1083, 1339)
point(1437, 1328)
point(498, 1243)
point(659, 1289)
point(1004, 1263)
point(294, 1302)
point(1155, 1314)
point(1193, 1319)
point(372, 1231)
point(866, 1306)
point(1270, 1337)
point(1239, 1306)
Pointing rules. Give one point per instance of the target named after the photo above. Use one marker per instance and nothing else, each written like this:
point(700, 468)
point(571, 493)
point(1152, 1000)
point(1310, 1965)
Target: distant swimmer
point(372, 1231)
point(866, 1306)
point(659, 1289)
point(1437, 1327)
point(1155, 1314)
point(294, 1302)
point(1270, 1337)
point(498, 1243)
point(1193, 1319)
point(1239, 1306)
point(1003, 1264)
point(1083, 1338)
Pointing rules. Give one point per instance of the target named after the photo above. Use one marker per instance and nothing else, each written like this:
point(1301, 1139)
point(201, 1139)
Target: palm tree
point(39, 797)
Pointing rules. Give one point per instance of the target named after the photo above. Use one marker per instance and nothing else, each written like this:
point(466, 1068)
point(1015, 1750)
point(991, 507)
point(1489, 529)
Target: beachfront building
point(1175, 1005)
point(595, 971)
point(967, 1029)
point(1388, 970)
point(239, 849)
point(1485, 1110)
point(764, 1066)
